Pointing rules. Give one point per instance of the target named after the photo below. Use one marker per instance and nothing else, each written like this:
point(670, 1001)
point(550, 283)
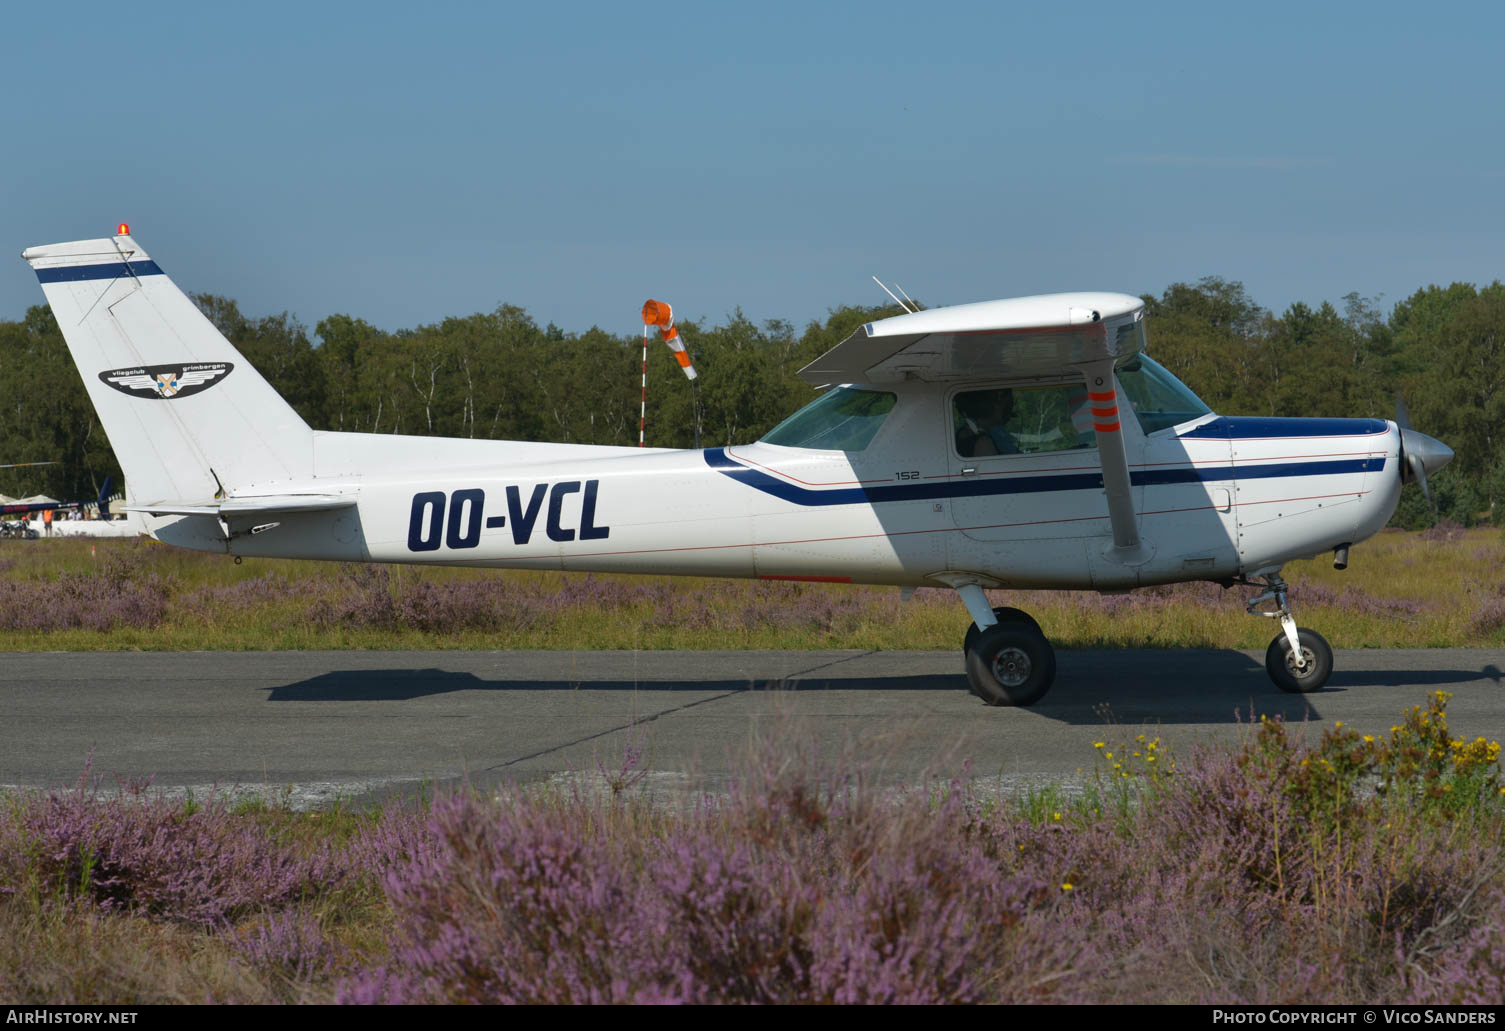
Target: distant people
point(984, 430)
point(47, 520)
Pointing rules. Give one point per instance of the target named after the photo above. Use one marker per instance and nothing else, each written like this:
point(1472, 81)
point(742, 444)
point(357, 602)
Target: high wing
point(1082, 334)
point(1025, 336)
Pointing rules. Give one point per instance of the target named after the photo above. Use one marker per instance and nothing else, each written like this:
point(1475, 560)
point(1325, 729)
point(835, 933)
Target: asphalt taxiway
point(315, 726)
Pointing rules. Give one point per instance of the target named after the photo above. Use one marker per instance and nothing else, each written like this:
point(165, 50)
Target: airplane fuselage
point(1217, 498)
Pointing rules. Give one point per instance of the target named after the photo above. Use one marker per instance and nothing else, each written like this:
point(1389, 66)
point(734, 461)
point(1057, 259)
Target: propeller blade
point(1418, 452)
point(1419, 474)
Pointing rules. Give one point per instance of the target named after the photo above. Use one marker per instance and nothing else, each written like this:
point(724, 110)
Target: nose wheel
point(1299, 660)
point(1306, 673)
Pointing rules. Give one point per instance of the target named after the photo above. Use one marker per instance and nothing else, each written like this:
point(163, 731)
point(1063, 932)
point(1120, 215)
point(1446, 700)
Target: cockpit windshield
point(1159, 399)
point(844, 419)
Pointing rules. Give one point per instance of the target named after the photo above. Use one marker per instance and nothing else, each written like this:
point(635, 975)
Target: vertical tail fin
point(186, 414)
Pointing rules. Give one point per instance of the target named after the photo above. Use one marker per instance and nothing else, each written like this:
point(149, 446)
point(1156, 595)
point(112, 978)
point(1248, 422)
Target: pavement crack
point(635, 722)
point(833, 662)
point(672, 710)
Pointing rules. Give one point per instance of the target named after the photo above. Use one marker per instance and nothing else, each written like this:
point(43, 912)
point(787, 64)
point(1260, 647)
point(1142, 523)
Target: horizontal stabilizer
point(271, 504)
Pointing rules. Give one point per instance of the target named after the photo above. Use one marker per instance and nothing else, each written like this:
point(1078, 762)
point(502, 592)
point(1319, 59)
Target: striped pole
point(643, 410)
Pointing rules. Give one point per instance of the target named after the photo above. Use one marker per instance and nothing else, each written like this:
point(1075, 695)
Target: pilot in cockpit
point(984, 416)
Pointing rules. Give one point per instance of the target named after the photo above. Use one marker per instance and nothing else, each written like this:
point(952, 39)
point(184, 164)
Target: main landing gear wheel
point(1011, 664)
point(1304, 677)
point(1003, 615)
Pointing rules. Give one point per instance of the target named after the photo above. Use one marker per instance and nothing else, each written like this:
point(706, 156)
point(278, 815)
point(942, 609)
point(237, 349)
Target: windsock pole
point(643, 410)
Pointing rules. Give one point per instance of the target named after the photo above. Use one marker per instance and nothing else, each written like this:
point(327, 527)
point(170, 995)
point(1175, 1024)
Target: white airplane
point(1025, 443)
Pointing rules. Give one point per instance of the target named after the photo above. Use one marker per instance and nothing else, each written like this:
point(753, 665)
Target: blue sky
point(402, 163)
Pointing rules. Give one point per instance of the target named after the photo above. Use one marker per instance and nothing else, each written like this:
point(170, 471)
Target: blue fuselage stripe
point(718, 459)
point(1253, 427)
point(109, 270)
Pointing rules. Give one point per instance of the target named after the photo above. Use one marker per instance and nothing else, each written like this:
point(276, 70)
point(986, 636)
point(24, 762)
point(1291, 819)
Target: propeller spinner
point(1420, 455)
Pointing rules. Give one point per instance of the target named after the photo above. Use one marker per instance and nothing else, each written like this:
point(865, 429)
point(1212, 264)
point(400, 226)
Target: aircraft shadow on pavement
point(1181, 687)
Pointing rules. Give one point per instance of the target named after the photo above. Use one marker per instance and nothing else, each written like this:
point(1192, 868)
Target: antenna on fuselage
point(891, 294)
point(912, 302)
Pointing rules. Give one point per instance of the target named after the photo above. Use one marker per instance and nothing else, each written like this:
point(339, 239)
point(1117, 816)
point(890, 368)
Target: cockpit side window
point(1022, 420)
point(1158, 398)
point(843, 419)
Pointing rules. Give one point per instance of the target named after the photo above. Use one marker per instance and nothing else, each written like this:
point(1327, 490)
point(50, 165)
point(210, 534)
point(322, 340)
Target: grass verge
point(1440, 588)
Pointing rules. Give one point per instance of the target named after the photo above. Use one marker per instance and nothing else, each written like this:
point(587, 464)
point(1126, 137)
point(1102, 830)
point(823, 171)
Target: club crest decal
point(167, 382)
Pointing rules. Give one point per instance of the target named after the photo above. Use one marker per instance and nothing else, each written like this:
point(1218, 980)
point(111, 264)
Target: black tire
point(1003, 615)
point(1282, 669)
point(1011, 664)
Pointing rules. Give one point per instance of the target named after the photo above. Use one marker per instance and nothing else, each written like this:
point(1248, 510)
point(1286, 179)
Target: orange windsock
point(657, 313)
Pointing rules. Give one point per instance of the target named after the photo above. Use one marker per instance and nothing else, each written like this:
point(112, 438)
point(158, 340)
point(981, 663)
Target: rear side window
point(844, 419)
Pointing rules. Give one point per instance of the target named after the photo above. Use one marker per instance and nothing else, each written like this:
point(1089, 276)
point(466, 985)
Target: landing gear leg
point(1009, 661)
point(1298, 660)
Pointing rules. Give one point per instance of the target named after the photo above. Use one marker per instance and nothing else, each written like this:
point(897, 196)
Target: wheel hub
point(1307, 666)
point(1012, 667)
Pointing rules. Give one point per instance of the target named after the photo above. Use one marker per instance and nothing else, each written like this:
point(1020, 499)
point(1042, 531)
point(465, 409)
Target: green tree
point(1461, 394)
point(1208, 335)
point(46, 415)
point(279, 347)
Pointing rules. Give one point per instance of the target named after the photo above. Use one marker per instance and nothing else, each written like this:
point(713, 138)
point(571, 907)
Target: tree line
point(501, 375)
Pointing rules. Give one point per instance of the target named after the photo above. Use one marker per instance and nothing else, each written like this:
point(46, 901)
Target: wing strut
point(1102, 397)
